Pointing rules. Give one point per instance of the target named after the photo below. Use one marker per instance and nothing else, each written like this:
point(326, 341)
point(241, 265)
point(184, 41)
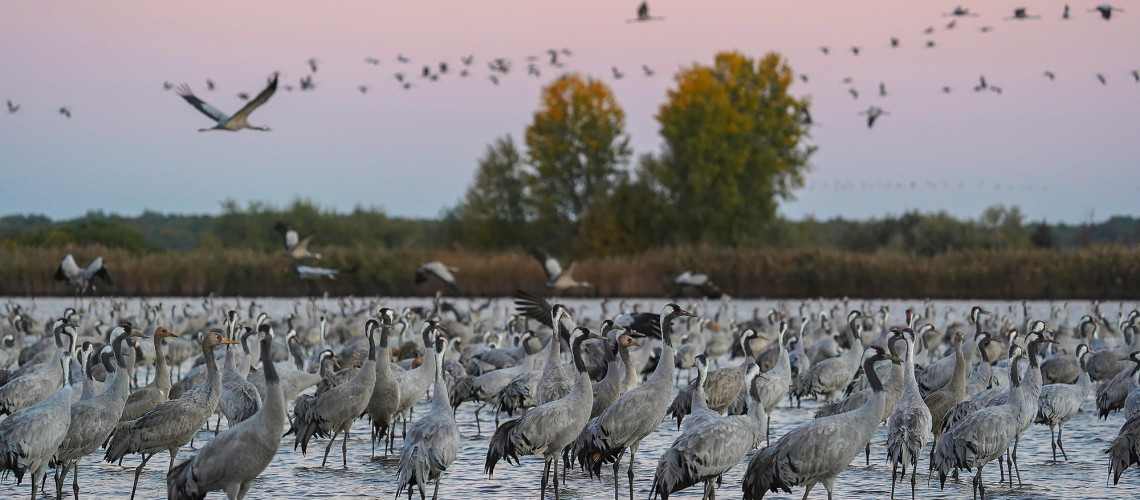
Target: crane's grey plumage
point(556, 381)
point(549, 428)
point(818, 450)
point(441, 272)
point(831, 376)
point(633, 415)
point(1124, 449)
point(984, 435)
point(432, 445)
point(226, 122)
point(240, 399)
point(942, 400)
point(722, 386)
point(36, 385)
point(171, 424)
point(937, 374)
point(908, 426)
point(415, 383)
point(333, 411)
point(709, 446)
point(93, 419)
point(384, 403)
point(1110, 395)
point(30, 436)
point(770, 388)
point(146, 398)
point(618, 370)
point(1059, 403)
point(79, 278)
point(556, 277)
point(233, 459)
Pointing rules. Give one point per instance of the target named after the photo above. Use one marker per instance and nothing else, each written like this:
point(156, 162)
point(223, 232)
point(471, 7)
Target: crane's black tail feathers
point(501, 447)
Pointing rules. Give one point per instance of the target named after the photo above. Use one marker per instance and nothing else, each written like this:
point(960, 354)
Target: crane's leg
point(1061, 445)
point(629, 471)
point(173, 453)
point(913, 479)
point(1053, 441)
point(555, 460)
point(807, 491)
point(478, 426)
point(392, 436)
point(894, 472)
point(420, 485)
point(344, 447)
point(138, 472)
point(1001, 468)
point(545, 473)
point(435, 494)
point(930, 471)
point(75, 481)
point(867, 451)
point(373, 457)
point(617, 465)
point(1015, 467)
point(710, 492)
point(981, 485)
point(231, 491)
point(244, 489)
point(329, 447)
point(59, 475)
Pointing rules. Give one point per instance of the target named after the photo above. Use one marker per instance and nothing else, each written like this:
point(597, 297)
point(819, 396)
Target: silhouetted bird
point(960, 12)
point(882, 89)
point(243, 96)
point(442, 68)
point(399, 77)
point(952, 24)
point(467, 60)
point(986, 29)
point(803, 78)
point(1105, 10)
point(307, 83)
point(1065, 15)
point(643, 14)
point(167, 85)
point(930, 44)
point(1135, 74)
point(313, 64)
point(1050, 75)
point(945, 90)
point(894, 42)
point(209, 85)
point(238, 120)
point(12, 108)
point(825, 50)
point(1101, 78)
point(65, 112)
point(855, 50)
point(647, 70)
point(873, 113)
point(363, 89)
point(854, 93)
point(401, 58)
point(494, 79)
point(928, 30)
point(1021, 13)
point(981, 84)
point(372, 60)
point(617, 74)
point(426, 72)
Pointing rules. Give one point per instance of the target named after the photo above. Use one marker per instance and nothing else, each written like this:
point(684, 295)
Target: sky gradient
point(1063, 150)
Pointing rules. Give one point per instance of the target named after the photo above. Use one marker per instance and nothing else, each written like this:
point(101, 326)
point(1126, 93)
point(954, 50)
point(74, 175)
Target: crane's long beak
point(893, 358)
point(228, 341)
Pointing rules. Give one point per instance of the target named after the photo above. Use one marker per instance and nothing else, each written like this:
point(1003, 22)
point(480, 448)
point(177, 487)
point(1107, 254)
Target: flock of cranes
point(591, 389)
point(500, 67)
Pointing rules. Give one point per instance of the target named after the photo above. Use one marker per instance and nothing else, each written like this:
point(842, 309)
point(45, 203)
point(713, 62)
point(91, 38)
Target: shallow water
point(292, 475)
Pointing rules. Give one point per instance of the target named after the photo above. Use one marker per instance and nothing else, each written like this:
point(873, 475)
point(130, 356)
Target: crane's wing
point(643, 10)
point(214, 113)
point(67, 268)
point(259, 100)
point(549, 264)
point(98, 269)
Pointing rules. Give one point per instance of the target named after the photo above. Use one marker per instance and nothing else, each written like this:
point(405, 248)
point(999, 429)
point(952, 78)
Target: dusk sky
point(1063, 150)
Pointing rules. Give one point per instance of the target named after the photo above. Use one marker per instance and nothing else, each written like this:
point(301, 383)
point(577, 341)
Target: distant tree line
point(734, 144)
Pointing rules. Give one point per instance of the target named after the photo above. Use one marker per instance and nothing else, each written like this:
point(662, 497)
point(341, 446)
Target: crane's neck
point(958, 380)
point(630, 379)
point(161, 372)
point(910, 384)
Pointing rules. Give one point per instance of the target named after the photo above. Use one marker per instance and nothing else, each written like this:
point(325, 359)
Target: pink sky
point(130, 146)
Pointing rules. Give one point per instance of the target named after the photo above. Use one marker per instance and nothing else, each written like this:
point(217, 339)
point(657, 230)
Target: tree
point(624, 221)
point(575, 146)
point(733, 145)
point(494, 211)
point(1042, 236)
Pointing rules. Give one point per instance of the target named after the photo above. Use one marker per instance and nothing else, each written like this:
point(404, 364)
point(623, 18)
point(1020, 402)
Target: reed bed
point(1104, 272)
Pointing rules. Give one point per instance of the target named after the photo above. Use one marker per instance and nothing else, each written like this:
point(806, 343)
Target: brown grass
point(1105, 272)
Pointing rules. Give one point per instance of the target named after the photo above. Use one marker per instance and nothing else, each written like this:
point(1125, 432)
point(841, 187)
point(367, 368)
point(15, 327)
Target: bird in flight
point(1022, 13)
point(960, 11)
point(1050, 75)
point(295, 246)
point(313, 64)
point(617, 74)
point(873, 113)
point(372, 60)
point(12, 108)
point(209, 85)
point(1105, 10)
point(226, 122)
point(1100, 77)
point(647, 70)
point(643, 14)
point(65, 112)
